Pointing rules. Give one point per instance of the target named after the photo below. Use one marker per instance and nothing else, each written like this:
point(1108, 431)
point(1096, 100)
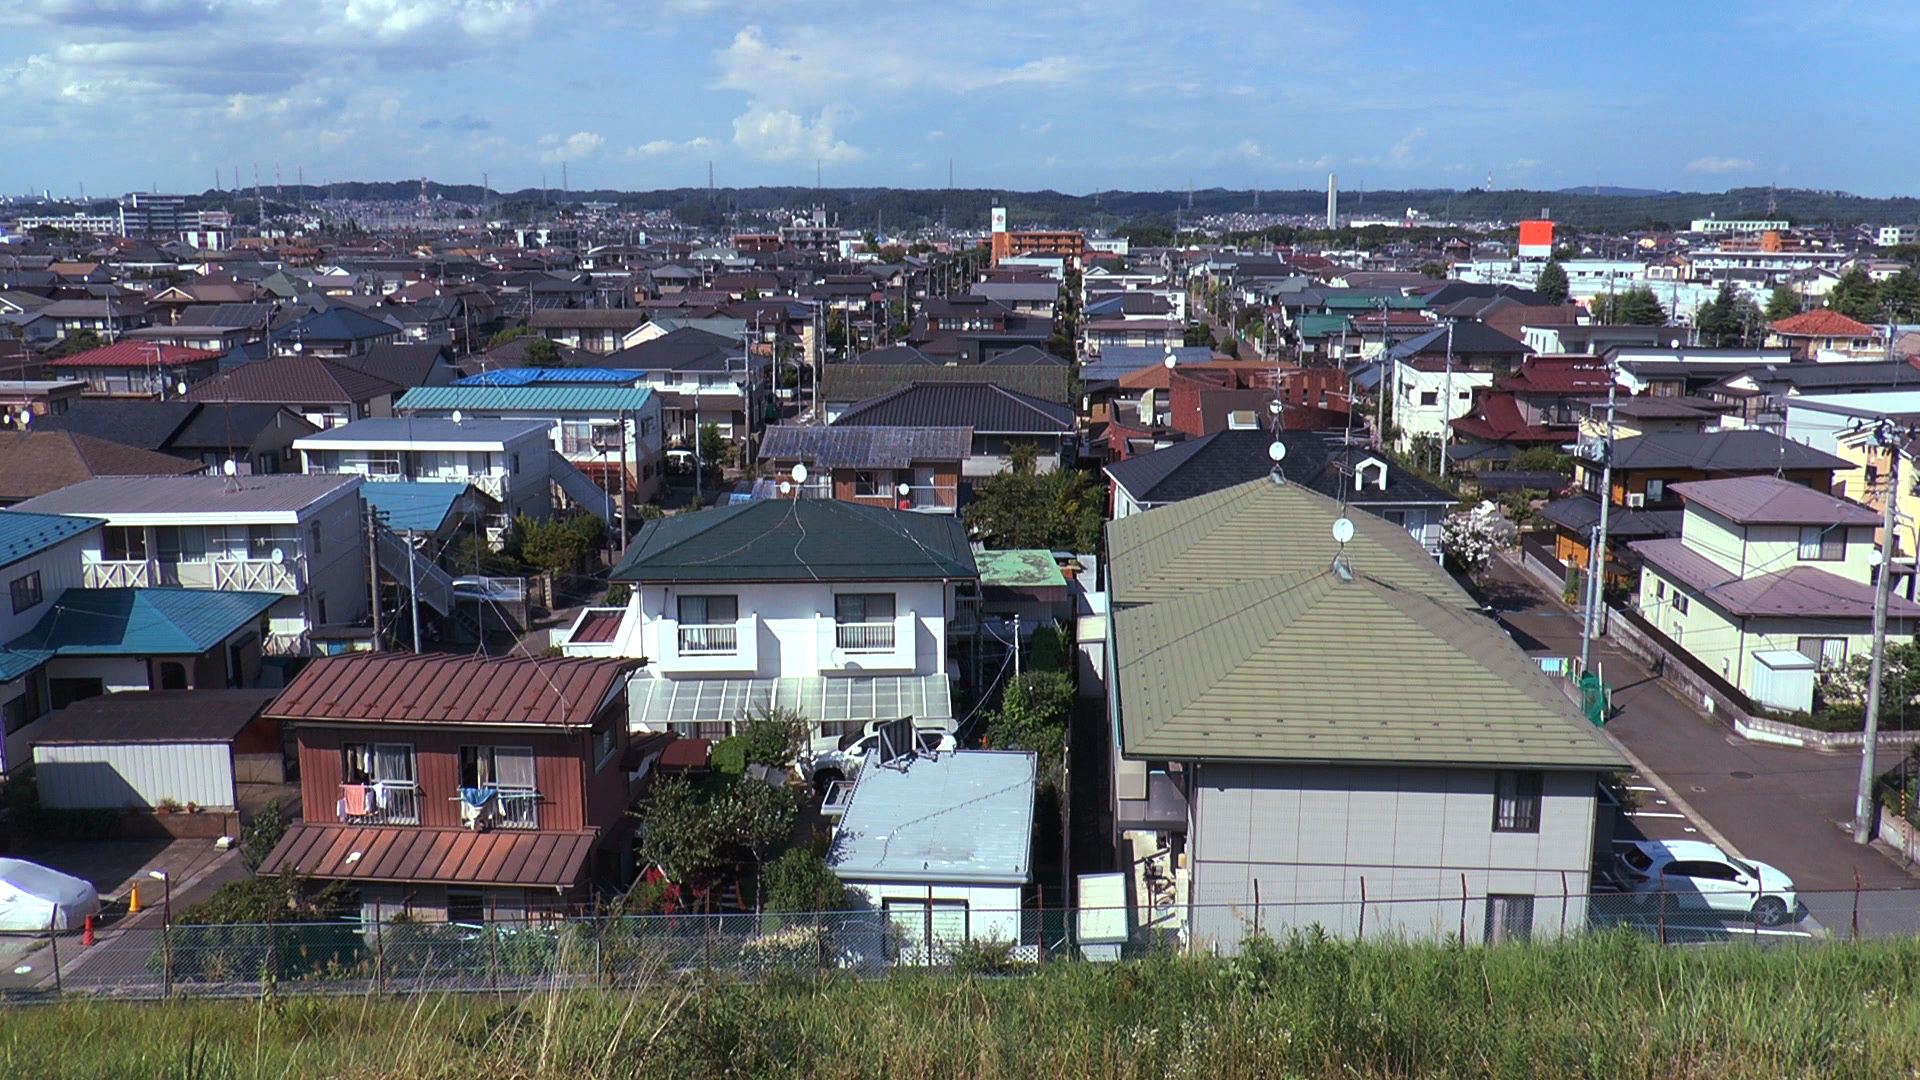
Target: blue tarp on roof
point(422, 506)
point(534, 376)
point(141, 622)
point(25, 533)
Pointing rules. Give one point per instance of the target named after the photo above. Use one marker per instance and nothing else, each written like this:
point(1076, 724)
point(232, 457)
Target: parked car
point(1694, 873)
point(832, 758)
point(483, 588)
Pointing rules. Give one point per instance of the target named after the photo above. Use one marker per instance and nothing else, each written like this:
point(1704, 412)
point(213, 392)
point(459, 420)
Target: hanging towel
point(353, 800)
point(380, 795)
point(476, 797)
point(474, 804)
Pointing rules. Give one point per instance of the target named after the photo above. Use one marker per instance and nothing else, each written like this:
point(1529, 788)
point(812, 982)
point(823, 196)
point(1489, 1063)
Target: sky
point(121, 95)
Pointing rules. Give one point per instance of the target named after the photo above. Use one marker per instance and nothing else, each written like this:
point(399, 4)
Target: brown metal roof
point(452, 856)
point(1798, 591)
point(157, 716)
point(1769, 500)
point(409, 688)
point(600, 625)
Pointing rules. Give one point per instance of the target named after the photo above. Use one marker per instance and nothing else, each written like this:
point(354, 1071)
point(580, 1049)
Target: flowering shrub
point(1469, 538)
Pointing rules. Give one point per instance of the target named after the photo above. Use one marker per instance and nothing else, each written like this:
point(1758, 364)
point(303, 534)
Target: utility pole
point(413, 590)
point(623, 484)
point(1890, 440)
point(373, 571)
point(1446, 405)
point(1597, 548)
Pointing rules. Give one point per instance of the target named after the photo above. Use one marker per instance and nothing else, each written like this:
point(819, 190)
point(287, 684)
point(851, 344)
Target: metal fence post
point(1256, 907)
point(1663, 906)
point(1463, 910)
point(1363, 907)
point(166, 957)
point(1856, 903)
point(53, 942)
point(1566, 900)
point(379, 952)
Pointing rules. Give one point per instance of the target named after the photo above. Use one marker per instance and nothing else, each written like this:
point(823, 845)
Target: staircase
point(579, 488)
point(435, 585)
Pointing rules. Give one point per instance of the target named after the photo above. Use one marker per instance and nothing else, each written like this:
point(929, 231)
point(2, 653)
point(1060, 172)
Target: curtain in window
point(513, 767)
point(393, 762)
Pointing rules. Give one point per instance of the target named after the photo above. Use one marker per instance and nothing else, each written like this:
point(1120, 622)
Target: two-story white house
point(1767, 581)
point(600, 429)
point(300, 537)
point(508, 460)
point(837, 609)
point(702, 378)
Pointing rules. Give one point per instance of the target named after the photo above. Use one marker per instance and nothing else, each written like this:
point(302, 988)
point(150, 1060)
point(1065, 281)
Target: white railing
point(254, 575)
point(380, 804)
point(709, 640)
point(517, 809)
point(297, 644)
point(495, 486)
point(864, 637)
point(121, 574)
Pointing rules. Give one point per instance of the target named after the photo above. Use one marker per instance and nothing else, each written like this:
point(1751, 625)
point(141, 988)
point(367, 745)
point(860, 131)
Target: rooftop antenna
point(1342, 532)
point(259, 200)
point(279, 193)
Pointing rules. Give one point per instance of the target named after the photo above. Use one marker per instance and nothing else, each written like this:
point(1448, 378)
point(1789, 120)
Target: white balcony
point(287, 578)
point(885, 646)
point(388, 803)
point(121, 574)
point(708, 648)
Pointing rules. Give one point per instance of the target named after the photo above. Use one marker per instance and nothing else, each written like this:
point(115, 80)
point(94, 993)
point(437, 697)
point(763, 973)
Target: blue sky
point(1076, 96)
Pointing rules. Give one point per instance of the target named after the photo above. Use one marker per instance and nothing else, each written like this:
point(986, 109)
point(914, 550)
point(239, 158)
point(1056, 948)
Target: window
point(1429, 397)
point(866, 482)
point(605, 741)
point(371, 763)
point(1829, 652)
point(1823, 543)
point(123, 543)
point(1680, 603)
point(31, 705)
point(863, 607)
point(25, 591)
point(466, 907)
point(497, 767)
point(264, 540)
point(1516, 802)
point(1659, 589)
point(1509, 918)
point(1656, 490)
point(709, 610)
point(377, 784)
point(919, 931)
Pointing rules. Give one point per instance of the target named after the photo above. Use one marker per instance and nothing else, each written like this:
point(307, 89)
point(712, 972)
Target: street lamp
point(166, 928)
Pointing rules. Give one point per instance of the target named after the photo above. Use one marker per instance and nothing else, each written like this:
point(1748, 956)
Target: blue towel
point(476, 797)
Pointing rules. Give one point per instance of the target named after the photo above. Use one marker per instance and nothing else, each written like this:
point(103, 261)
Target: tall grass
point(1614, 1006)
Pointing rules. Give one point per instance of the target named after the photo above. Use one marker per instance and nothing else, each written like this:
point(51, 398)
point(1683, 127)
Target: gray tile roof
point(1741, 450)
point(105, 495)
point(854, 446)
point(859, 382)
point(1796, 592)
point(983, 406)
point(1769, 500)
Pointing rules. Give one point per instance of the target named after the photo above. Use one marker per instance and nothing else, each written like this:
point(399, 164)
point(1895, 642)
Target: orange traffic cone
point(133, 899)
point(86, 935)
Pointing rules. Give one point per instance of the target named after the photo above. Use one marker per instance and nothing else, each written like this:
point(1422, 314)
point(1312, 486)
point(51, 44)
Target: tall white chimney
point(1333, 201)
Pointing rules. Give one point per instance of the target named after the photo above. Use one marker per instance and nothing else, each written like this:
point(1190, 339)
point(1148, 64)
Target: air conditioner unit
point(1636, 499)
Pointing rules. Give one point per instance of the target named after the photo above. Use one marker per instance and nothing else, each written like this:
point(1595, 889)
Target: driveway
point(1791, 808)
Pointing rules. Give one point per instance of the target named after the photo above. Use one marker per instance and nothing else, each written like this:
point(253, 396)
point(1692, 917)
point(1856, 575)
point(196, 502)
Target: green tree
point(558, 545)
point(1900, 296)
point(775, 737)
point(714, 451)
point(1719, 320)
point(1033, 716)
point(542, 353)
point(1551, 283)
point(1843, 687)
point(1025, 508)
point(77, 342)
point(799, 880)
point(262, 834)
point(697, 834)
point(1635, 307)
point(1543, 459)
point(1856, 296)
point(1782, 303)
point(511, 333)
point(1435, 270)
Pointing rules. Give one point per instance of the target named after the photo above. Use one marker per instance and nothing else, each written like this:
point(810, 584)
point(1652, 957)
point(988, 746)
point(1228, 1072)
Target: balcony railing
point(516, 809)
point(297, 644)
point(382, 803)
point(121, 574)
point(716, 639)
point(863, 637)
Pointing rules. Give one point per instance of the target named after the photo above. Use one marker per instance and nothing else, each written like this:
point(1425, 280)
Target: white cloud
point(783, 135)
point(811, 66)
point(1402, 151)
point(663, 147)
point(572, 147)
point(1248, 149)
point(1719, 165)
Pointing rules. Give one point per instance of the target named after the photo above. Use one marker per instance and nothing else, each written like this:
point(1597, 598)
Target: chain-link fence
point(150, 959)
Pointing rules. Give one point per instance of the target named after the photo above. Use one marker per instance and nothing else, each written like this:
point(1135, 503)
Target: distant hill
point(1597, 207)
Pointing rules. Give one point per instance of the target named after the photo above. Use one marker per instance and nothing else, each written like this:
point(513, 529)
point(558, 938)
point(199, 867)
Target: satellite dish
point(1673, 343)
point(180, 388)
point(905, 489)
point(299, 346)
point(456, 416)
point(786, 488)
point(1273, 407)
point(26, 417)
point(1277, 452)
point(1873, 557)
point(230, 467)
point(800, 474)
point(1342, 530)
point(1169, 361)
point(279, 556)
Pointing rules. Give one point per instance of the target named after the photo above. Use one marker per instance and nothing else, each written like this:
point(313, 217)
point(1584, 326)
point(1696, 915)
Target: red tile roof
point(1821, 323)
point(454, 856)
point(409, 688)
point(133, 354)
point(1497, 418)
point(1557, 375)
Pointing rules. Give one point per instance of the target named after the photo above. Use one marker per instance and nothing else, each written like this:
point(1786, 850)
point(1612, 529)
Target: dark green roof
point(1236, 638)
point(799, 540)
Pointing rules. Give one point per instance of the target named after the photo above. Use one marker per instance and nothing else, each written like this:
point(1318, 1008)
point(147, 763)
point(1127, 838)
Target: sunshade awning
point(658, 703)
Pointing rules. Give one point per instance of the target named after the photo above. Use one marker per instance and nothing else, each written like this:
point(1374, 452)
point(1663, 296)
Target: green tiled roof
point(1372, 303)
point(141, 622)
point(799, 540)
point(24, 533)
point(1236, 638)
point(1021, 568)
point(1320, 326)
point(422, 505)
point(524, 399)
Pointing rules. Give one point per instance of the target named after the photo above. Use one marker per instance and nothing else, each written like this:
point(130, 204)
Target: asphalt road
point(1787, 807)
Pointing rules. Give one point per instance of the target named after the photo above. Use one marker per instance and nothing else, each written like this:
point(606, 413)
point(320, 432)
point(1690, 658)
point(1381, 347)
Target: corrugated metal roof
point(1021, 568)
point(106, 496)
point(1237, 639)
point(858, 382)
point(452, 856)
point(157, 716)
point(485, 399)
point(799, 540)
point(1769, 500)
point(1796, 592)
point(142, 622)
point(965, 816)
point(403, 431)
point(531, 376)
point(408, 688)
point(657, 703)
point(413, 504)
point(23, 534)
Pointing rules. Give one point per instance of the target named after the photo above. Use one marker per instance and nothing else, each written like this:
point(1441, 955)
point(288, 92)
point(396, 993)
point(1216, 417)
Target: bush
point(774, 738)
point(618, 594)
point(262, 834)
point(800, 880)
point(984, 956)
point(729, 756)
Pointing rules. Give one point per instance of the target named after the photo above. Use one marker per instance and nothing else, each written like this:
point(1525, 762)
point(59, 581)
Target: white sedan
point(1694, 873)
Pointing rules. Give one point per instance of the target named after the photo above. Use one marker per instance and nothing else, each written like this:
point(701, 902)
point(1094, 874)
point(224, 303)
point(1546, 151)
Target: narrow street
point(1788, 807)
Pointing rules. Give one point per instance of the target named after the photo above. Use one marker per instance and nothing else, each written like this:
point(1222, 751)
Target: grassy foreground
point(1598, 1007)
